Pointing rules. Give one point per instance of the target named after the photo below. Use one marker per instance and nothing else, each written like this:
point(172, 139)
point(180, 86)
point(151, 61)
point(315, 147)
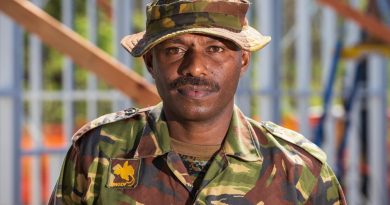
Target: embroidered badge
point(123, 173)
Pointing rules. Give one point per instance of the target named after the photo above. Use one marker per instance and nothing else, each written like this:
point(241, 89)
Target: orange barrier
point(53, 138)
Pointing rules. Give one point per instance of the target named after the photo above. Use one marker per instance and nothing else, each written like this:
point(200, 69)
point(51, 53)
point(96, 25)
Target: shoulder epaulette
point(295, 138)
point(108, 118)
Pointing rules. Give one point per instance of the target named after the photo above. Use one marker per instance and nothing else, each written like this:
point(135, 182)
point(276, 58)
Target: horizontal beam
point(41, 151)
point(368, 23)
point(364, 49)
point(82, 52)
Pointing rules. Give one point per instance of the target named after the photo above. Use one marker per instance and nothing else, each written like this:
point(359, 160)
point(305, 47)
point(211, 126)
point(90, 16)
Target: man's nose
point(195, 64)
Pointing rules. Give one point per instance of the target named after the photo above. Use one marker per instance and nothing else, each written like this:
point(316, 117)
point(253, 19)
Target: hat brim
point(248, 39)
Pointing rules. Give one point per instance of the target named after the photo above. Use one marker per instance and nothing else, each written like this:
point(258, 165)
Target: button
point(130, 111)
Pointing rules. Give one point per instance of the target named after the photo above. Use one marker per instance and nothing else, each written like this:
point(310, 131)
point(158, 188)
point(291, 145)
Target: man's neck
point(210, 132)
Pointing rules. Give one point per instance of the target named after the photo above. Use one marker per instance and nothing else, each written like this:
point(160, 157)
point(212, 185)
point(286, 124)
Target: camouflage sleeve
point(328, 190)
point(72, 182)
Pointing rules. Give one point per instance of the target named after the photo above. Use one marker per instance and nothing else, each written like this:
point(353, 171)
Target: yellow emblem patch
point(126, 172)
point(123, 173)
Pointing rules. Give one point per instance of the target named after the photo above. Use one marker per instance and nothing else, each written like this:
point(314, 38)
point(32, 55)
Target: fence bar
point(5, 92)
point(122, 27)
point(51, 151)
point(270, 20)
point(77, 95)
point(353, 178)
point(92, 80)
point(17, 111)
point(11, 58)
point(35, 119)
point(303, 64)
point(243, 94)
point(35, 66)
point(328, 45)
point(377, 121)
point(68, 73)
point(354, 197)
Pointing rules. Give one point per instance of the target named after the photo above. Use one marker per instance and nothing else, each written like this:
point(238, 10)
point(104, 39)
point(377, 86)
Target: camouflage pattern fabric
point(196, 169)
point(195, 166)
point(128, 160)
point(196, 14)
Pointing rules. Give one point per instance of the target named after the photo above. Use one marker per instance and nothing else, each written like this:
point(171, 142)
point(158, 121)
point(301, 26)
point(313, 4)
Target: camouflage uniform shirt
point(126, 158)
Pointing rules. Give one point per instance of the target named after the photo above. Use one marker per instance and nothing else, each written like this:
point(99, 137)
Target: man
point(196, 147)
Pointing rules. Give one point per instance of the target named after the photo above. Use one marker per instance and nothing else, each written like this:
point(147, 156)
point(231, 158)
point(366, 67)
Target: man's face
point(196, 75)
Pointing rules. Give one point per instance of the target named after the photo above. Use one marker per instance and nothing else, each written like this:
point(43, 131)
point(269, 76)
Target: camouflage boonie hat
point(221, 18)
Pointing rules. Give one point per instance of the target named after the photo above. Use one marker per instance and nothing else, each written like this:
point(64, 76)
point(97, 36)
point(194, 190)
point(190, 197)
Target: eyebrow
point(174, 40)
point(213, 40)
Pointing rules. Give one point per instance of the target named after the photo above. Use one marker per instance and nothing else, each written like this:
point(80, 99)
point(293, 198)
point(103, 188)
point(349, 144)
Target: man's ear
point(245, 60)
point(148, 60)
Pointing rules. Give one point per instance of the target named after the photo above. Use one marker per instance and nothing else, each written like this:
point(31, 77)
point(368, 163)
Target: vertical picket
point(35, 121)
point(11, 59)
point(303, 64)
point(92, 81)
point(123, 13)
point(67, 74)
point(352, 178)
point(328, 48)
point(377, 129)
point(353, 175)
point(270, 23)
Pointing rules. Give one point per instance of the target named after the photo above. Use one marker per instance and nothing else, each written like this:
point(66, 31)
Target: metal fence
point(30, 163)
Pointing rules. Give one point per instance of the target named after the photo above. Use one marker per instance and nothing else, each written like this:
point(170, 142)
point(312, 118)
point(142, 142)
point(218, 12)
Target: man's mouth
point(195, 91)
point(194, 87)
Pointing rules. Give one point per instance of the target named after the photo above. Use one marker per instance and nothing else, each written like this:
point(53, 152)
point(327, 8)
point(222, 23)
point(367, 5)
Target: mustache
point(195, 81)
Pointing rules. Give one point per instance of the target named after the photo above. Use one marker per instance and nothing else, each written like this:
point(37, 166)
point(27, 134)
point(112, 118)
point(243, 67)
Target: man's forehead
point(190, 38)
point(203, 37)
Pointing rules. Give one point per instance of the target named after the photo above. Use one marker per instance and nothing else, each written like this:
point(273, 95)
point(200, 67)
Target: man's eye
point(174, 50)
point(215, 49)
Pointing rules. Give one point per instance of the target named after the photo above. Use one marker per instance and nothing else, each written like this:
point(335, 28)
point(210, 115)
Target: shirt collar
point(240, 141)
point(155, 138)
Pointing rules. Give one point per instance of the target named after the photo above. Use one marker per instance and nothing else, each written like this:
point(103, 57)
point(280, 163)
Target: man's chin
point(191, 112)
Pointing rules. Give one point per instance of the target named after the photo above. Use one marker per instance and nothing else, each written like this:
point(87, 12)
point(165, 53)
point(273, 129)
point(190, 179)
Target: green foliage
point(52, 112)
point(53, 8)
point(104, 107)
point(52, 69)
point(139, 20)
point(105, 33)
point(80, 109)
